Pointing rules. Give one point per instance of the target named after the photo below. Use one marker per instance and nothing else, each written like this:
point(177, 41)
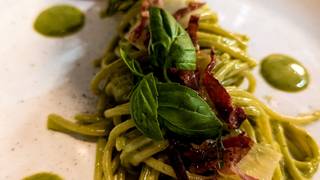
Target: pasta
point(123, 151)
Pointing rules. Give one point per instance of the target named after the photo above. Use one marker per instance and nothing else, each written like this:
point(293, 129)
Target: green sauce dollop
point(43, 176)
point(284, 73)
point(59, 20)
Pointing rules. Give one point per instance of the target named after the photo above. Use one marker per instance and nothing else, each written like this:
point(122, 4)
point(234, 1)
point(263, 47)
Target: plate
point(41, 75)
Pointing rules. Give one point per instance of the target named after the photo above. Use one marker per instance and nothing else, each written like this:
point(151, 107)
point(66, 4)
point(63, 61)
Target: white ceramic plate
point(42, 75)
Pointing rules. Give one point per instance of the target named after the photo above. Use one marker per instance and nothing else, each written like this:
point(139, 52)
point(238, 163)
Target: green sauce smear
point(43, 176)
point(284, 72)
point(59, 20)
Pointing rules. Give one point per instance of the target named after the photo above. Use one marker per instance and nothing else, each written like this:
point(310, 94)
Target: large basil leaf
point(132, 64)
point(185, 113)
point(170, 44)
point(143, 108)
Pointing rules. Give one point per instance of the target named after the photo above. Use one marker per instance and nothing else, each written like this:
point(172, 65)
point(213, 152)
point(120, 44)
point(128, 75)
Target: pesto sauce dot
point(59, 20)
point(43, 176)
point(284, 72)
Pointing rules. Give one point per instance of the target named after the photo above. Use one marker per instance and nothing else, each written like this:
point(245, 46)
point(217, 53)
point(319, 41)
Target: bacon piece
point(216, 155)
point(190, 78)
point(144, 13)
point(236, 117)
point(184, 11)
point(192, 30)
point(139, 33)
point(206, 150)
point(221, 99)
point(218, 95)
point(240, 141)
point(235, 148)
point(212, 62)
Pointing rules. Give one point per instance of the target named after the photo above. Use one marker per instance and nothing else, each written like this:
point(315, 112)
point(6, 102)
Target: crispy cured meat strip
point(219, 96)
point(213, 156)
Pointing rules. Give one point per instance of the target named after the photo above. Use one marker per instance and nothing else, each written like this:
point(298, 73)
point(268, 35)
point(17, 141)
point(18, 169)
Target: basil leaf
point(185, 113)
point(143, 108)
point(170, 44)
point(132, 64)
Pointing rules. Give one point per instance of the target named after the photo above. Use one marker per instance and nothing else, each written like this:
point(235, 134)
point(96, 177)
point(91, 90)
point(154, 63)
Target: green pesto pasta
point(124, 152)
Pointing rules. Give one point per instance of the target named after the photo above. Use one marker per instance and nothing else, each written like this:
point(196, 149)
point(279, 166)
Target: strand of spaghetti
point(88, 118)
point(251, 81)
point(160, 166)
point(107, 155)
point(131, 148)
point(104, 73)
point(300, 120)
point(308, 148)
point(209, 18)
point(126, 160)
point(239, 67)
point(119, 110)
point(246, 127)
point(154, 174)
point(115, 163)
point(121, 142)
point(229, 72)
point(251, 111)
point(116, 120)
point(220, 74)
point(109, 55)
point(98, 172)
point(305, 166)
point(120, 84)
point(148, 151)
point(125, 20)
point(232, 81)
point(222, 40)
point(207, 40)
point(215, 29)
point(58, 123)
point(101, 104)
point(221, 61)
point(148, 173)
point(290, 166)
point(133, 134)
point(120, 175)
point(145, 173)
point(108, 58)
point(100, 125)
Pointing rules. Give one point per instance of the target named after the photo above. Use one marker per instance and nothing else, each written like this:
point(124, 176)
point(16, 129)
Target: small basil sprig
point(144, 107)
point(185, 113)
point(177, 108)
point(132, 64)
point(170, 45)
